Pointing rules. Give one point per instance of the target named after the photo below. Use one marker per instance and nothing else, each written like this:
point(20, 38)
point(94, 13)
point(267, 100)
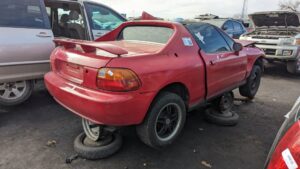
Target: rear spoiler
point(90, 46)
point(246, 43)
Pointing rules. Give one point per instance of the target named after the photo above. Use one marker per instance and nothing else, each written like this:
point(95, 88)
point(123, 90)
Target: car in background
point(278, 34)
point(234, 28)
point(285, 151)
point(27, 30)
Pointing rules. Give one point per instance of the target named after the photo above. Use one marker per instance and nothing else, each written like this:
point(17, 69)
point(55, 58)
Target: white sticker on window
point(187, 41)
point(289, 159)
point(200, 37)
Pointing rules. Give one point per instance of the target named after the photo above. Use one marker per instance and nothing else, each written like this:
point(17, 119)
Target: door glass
point(208, 38)
point(228, 39)
point(22, 13)
point(66, 19)
point(103, 19)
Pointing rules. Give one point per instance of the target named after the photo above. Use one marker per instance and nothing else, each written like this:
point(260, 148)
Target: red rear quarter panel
point(175, 63)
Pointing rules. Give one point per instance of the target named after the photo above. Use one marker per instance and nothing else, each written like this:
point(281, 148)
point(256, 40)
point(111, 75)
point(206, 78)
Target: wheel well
point(260, 62)
point(179, 89)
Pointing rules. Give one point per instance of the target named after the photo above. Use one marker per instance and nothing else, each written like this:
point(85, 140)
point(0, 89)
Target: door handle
point(43, 35)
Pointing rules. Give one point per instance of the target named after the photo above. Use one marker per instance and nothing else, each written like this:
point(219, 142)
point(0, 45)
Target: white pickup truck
point(278, 34)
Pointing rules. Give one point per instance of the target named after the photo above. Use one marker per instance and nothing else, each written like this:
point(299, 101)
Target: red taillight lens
point(287, 152)
point(117, 79)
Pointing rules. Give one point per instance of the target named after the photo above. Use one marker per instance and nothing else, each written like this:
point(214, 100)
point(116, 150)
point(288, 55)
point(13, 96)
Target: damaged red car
point(150, 74)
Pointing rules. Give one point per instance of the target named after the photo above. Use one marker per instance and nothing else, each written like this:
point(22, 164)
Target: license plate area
point(70, 71)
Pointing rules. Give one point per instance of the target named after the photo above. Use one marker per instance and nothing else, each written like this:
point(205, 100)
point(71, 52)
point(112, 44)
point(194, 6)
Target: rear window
point(22, 13)
point(147, 34)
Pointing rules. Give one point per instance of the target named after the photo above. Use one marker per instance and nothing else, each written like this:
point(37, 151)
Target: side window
point(22, 13)
point(228, 39)
point(228, 27)
point(237, 27)
point(209, 38)
point(102, 18)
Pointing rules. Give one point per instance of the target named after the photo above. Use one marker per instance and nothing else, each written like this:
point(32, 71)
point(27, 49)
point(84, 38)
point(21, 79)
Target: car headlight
point(297, 40)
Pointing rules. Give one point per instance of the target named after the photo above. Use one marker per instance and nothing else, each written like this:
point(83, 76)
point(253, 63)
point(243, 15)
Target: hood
point(282, 19)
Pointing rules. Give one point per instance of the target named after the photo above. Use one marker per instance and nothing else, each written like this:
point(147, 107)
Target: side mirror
point(237, 47)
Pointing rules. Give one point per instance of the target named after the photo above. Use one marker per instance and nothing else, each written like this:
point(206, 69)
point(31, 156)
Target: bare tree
point(291, 5)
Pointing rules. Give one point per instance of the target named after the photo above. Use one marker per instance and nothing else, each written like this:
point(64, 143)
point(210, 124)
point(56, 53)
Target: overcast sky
point(188, 8)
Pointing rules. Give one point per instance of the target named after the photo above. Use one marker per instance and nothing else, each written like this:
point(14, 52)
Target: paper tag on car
point(187, 41)
point(289, 159)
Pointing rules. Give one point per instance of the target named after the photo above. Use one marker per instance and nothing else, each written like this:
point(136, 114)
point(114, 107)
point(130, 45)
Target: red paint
point(291, 141)
point(156, 67)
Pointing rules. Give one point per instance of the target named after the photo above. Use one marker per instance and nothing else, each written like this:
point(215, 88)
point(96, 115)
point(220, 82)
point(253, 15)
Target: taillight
point(117, 79)
point(287, 152)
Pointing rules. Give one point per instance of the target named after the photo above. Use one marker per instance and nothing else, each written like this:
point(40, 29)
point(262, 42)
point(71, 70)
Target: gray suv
point(27, 30)
point(278, 34)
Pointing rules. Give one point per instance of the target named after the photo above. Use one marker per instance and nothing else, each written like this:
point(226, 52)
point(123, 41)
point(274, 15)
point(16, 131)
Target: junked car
point(27, 29)
point(278, 34)
point(234, 28)
point(149, 74)
point(285, 151)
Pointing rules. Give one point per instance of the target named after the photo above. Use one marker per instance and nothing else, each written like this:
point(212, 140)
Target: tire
point(250, 89)
point(169, 105)
point(293, 68)
point(10, 98)
point(271, 61)
point(213, 116)
point(96, 151)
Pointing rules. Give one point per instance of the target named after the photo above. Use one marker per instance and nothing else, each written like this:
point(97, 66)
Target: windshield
point(147, 34)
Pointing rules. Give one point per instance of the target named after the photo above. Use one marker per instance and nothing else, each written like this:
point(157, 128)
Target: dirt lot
point(26, 129)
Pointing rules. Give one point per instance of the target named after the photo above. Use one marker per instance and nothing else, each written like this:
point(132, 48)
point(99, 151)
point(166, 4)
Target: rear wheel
point(13, 93)
point(253, 82)
point(164, 121)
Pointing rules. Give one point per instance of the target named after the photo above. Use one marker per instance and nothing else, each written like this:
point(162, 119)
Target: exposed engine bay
point(272, 33)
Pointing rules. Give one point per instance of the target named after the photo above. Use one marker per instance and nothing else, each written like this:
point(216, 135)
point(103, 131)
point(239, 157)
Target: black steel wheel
point(253, 82)
point(164, 121)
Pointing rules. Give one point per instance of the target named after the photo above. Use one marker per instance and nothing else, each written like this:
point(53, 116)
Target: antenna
point(245, 9)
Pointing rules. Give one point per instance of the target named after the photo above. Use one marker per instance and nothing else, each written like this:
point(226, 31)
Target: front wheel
point(294, 67)
point(164, 121)
point(13, 93)
point(253, 82)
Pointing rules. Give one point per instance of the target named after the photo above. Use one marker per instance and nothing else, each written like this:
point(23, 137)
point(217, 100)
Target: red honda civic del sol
point(149, 74)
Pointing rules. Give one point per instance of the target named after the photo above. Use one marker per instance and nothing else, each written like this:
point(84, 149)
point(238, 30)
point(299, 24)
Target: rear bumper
point(107, 108)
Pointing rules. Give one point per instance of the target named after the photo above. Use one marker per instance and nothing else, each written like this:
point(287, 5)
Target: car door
point(25, 34)
point(102, 19)
point(225, 68)
point(228, 28)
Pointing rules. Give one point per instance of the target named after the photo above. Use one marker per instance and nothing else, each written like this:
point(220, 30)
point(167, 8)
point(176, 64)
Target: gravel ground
point(25, 131)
